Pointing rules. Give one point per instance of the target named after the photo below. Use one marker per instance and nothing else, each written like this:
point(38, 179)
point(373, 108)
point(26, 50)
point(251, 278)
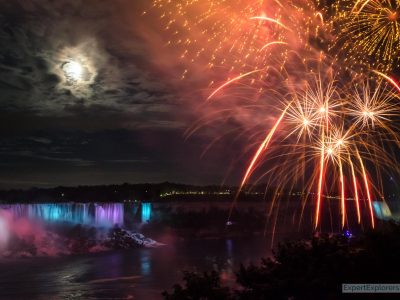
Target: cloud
point(108, 156)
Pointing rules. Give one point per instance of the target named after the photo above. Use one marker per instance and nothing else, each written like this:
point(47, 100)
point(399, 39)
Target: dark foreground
point(313, 269)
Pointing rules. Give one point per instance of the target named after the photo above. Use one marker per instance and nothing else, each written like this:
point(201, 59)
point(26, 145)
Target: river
point(141, 273)
point(128, 274)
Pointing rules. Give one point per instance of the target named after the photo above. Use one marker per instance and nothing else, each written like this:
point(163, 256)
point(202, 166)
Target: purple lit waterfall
point(109, 214)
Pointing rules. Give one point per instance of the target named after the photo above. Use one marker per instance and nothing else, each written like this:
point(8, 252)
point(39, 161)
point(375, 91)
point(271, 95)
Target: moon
point(77, 68)
point(73, 69)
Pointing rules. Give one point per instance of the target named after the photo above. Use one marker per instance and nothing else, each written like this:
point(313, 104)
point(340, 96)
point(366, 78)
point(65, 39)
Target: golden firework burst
point(368, 33)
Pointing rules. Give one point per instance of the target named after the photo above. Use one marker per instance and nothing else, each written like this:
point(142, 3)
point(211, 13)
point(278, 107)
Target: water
point(134, 274)
point(140, 273)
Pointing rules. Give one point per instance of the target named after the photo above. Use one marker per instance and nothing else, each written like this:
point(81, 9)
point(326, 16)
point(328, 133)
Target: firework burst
point(333, 132)
point(368, 32)
point(236, 37)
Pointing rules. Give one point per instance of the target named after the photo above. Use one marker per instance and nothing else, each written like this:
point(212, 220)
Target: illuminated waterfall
point(146, 212)
point(109, 214)
point(97, 214)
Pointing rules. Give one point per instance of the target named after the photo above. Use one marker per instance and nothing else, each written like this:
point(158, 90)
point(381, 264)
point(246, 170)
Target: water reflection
point(229, 247)
point(141, 273)
point(145, 263)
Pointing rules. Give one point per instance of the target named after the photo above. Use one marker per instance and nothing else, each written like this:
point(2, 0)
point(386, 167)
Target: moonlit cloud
point(44, 40)
point(77, 68)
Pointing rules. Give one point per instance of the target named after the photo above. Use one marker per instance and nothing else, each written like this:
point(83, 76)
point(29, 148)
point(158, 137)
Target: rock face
point(77, 240)
point(123, 239)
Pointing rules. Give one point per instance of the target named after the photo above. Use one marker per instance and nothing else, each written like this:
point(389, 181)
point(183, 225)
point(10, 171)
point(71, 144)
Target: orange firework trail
point(390, 79)
point(269, 20)
point(230, 82)
point(273, 43)
point(355, 190)
point(343, 196)
point(364, 174)
point(320, 181)
point(361, 7)
point(262, 148)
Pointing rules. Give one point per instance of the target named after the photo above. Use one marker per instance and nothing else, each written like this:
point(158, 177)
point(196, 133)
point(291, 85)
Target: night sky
point(108, 91)
point(123, 121)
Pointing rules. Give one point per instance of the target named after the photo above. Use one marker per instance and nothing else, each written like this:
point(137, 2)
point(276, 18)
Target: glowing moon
point(77, 68)
point(73, 70)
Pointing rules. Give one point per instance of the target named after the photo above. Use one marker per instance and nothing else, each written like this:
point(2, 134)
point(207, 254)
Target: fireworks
point(320, 72)
point(332, 131)
point(237, 37)
point(369, 32)
point(372, 108)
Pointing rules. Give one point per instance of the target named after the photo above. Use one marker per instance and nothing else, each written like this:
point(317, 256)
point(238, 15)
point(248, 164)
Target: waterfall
point(97, 214)
point(109, 214)
point(146, 212)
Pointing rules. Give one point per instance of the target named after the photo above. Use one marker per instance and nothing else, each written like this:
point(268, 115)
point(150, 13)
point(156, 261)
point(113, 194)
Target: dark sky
point(123, 121)
point(127, 115)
